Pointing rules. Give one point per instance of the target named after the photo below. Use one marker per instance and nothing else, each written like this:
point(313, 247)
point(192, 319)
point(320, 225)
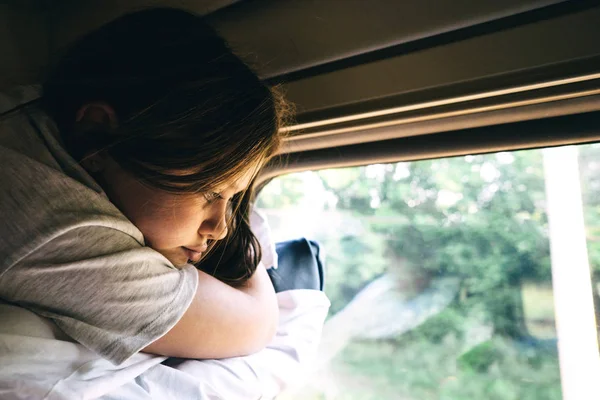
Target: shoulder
point(17, 132)
point(18, 95)
point(43, 191)
point(39, 203)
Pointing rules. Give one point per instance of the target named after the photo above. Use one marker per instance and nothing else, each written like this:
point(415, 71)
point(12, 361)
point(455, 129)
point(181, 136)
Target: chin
point(178, 260)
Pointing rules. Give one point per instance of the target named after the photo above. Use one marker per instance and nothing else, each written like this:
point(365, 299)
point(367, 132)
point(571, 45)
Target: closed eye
point(211, 197)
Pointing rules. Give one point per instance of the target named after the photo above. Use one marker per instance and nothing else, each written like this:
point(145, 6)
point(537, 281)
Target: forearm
point(262, 301)
point(260, 288)
point(223, 321)
point(285, 362)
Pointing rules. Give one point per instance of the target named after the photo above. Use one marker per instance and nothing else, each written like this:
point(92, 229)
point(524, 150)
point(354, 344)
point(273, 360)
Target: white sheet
point(37, 363)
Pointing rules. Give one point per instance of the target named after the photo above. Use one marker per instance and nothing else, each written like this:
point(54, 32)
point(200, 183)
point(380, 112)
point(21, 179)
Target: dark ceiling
point(335, 57)
point(288, 36)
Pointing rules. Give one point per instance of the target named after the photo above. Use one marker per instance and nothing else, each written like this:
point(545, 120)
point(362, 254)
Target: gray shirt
point(68, 254)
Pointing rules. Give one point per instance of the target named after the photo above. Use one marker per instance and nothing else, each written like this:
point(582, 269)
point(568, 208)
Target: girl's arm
point(223, 321)
point(286, 362)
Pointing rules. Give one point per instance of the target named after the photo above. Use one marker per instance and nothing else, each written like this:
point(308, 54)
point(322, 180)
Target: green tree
point(477, 217)
point(481, 218)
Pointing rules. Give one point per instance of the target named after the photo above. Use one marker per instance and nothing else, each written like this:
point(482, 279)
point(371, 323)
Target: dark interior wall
point(72, 18)
point(23, 42)
point(33, 32)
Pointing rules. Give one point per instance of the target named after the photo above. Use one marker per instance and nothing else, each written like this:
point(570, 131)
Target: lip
point(195, 253)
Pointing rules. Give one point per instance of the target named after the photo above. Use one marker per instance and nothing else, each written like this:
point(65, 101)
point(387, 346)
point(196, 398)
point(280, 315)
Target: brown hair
point(192, 116)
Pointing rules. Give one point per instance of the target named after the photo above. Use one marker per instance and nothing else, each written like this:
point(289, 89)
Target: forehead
point(240, 183)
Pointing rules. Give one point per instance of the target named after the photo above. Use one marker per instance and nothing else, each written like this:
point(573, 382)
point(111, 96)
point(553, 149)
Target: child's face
point(177, 226)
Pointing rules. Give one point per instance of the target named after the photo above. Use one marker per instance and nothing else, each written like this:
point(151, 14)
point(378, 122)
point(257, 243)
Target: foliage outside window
point(438, 272)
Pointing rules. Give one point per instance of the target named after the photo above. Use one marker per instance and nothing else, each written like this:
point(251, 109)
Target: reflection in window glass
point(438, 272)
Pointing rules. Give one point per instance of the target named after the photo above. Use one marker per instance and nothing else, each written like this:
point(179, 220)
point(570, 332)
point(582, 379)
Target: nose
point(214, 226)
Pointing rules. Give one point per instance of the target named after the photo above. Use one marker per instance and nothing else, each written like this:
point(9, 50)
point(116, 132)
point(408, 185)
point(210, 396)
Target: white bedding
point(38, 362)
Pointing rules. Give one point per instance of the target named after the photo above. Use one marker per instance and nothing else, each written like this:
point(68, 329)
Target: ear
point(97, 113)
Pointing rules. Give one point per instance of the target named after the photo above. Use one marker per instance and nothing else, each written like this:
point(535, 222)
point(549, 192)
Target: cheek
point(167, 227)
point(166, 220)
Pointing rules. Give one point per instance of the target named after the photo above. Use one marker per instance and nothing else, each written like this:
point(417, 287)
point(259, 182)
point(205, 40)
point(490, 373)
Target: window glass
point(589, 167)
point(439, 274)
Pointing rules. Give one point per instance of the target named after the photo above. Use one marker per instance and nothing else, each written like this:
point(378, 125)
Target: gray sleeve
point(102, 288)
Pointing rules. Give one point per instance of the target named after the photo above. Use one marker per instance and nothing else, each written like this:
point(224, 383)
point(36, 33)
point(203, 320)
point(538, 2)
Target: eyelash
point(212, 197)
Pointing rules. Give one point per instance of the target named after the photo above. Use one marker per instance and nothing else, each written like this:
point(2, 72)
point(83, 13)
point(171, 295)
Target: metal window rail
point(554, 98)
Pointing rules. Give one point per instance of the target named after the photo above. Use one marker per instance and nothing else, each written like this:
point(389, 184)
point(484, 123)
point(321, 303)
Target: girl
point(138, 162)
